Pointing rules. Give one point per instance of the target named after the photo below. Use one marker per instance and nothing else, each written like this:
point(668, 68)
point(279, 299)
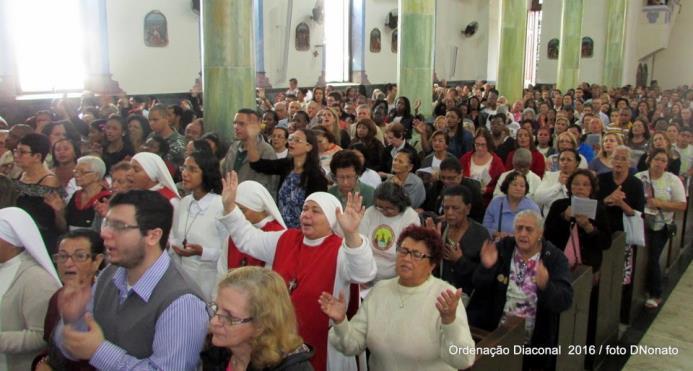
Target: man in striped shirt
point(143, 312)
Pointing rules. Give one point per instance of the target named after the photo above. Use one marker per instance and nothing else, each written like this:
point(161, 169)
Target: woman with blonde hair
point(602, 163)
point(564, 140)
point(329, 119)
point(253, 325)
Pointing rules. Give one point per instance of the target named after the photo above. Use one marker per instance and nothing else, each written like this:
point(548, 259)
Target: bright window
point(48, 44)
point(337, 40)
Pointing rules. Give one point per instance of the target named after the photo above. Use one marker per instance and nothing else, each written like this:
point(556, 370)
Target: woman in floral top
point(300, 171)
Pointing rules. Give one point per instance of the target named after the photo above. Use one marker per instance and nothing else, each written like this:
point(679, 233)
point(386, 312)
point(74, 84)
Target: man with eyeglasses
point(143, 312)
point(346, 168)
point(451, 175)
point(237, 156)
point(523, 276)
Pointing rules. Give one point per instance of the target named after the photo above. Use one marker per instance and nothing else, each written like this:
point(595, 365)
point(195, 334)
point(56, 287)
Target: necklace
point(188, 227)
point(404, 297)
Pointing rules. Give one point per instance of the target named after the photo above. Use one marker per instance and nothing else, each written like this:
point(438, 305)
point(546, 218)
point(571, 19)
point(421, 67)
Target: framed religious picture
point(302, 37)
point(393, 45)
point(587, 47)
point(155, 29)
point(552, 52)
point(375, 41)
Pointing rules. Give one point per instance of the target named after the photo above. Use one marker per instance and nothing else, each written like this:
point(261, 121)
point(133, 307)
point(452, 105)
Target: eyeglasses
point(345, 178)
point(117, 226)
point(189, 169)
point(213, 311)
point(21, 152)
point(81, 172)
point(416, 255)
point(386, 209)
point(293, 139)
point(77, 257)
point(480, 144)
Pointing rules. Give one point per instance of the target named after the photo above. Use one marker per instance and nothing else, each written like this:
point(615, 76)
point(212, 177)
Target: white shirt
point(549, 190)
point(370, 177)
point(383, 232)
point(282, 154)
point(196, 222)
point(532, 179)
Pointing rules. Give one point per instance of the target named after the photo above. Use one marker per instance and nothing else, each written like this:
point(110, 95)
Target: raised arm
point(248, 239)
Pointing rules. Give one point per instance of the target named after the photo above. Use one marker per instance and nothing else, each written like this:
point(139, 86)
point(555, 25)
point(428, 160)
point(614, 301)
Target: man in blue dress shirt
point(143, 312)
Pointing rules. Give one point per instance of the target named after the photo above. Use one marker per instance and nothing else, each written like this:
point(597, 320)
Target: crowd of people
point(335, 229)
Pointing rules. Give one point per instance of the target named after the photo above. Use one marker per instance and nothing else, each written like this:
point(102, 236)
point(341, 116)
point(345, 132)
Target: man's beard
point(133, 258)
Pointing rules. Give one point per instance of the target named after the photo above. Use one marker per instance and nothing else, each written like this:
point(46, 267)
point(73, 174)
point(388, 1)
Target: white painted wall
point(452, 16)
point(143, 70)
point(550, 29)
point(594, 26)
point(630, 54)
point(380, 67)
point(493, 40)
point(302, 65)
point(173, 69)
point(672, 66)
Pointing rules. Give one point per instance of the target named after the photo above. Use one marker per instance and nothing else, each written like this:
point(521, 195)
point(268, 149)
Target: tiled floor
point(673, 328)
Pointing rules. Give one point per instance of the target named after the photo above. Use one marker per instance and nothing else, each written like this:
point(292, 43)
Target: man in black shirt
point(450, 175)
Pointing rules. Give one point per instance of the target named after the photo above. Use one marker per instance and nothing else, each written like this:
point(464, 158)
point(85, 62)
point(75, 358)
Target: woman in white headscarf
point(27, 282)
point(149, 172)
point(326, 254)
point(259, 208)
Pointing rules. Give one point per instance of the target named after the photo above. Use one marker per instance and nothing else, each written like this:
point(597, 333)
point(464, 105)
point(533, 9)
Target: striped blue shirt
point(179, 332)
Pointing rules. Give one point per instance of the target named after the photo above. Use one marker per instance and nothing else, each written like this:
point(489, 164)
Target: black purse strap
point(500, 217)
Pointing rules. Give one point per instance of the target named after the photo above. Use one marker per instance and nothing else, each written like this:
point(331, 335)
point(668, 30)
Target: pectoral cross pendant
point(292, 285)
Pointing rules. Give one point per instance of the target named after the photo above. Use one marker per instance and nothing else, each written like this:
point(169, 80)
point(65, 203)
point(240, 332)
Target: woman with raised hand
point(301, 173)
point(326, 253)
point(397, 323)
point(259, 208)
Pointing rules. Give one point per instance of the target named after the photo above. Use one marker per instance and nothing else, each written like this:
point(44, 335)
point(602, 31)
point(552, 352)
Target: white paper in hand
point(584, 206)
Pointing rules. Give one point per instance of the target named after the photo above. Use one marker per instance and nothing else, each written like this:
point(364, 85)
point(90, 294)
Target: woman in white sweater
point(394, 322)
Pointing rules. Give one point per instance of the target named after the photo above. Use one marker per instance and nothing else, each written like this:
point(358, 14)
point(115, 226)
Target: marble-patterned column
point(8, 68)
point(615, 43)
point(415, 55)
point(512, 49)
point(228, 47)
point(571, 45)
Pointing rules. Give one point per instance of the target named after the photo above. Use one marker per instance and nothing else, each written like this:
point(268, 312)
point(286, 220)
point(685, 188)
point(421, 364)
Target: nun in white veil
point(149, 172)
point(326, 253)
point(259, 209)
point(28, 279)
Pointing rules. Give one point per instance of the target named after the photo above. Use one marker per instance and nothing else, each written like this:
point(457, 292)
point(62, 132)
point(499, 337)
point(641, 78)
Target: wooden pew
point(572, 329)
point(511, 333)
point(610, 290)
point(639, 283)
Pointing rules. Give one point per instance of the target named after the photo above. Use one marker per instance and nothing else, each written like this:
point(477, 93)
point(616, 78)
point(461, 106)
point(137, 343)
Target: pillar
point(95, 20)
point(571, 45)
point(615, 43)
point(512, 49)
point(228, 62)
point(415, 54)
